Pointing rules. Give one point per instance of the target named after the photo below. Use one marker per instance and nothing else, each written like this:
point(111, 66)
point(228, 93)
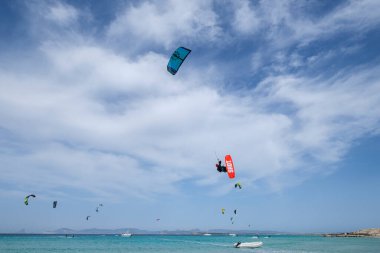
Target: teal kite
point(177, 58)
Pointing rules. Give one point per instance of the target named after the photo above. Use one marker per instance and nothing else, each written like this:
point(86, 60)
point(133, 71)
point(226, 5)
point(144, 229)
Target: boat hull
point(248, 244)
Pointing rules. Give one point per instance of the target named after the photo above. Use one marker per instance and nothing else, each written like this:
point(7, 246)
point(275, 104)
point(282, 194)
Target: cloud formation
point(292, 21)
point(167, 22)
point(84, 116)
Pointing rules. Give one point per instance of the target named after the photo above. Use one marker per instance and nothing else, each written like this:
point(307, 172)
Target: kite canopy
point(238, 185)
point(55, 204)
point(223, 210)
point(87, 217)
point(177, 58)
point(26, 199)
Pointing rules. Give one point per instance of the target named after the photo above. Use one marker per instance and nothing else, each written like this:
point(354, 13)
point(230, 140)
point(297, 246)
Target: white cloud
point(286, 28)
point(46, 15)
point(245, 18)
point(329, 114)
point(62, 14)
point(358, 16)
point(286, 22)
point(167, 22)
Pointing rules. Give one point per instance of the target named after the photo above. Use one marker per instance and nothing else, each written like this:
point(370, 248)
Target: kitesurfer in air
point(220, 167)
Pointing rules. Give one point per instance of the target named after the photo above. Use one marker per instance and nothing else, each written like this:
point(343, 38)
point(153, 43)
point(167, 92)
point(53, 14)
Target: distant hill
point(369, 232)
point(99, 231)
point(137, 231)
point(63, 231)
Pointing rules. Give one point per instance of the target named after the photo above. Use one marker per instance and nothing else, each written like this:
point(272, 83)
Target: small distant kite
point(97, 208)
point(158, 220)
point(26, 199)
point(55, 204)
point(223, 210)
point(238, 185)
point(177, 58)
point(87, 217)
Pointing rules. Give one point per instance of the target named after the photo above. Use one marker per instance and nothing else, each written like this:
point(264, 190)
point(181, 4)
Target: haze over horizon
point(89, 114)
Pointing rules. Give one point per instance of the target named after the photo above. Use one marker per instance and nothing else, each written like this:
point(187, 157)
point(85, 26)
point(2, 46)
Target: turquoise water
point(182, 244)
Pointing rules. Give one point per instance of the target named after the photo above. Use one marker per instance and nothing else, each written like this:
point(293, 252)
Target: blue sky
point(89, 114)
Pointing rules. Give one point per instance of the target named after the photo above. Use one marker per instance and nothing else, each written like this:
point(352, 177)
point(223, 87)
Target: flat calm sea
point(182, 244)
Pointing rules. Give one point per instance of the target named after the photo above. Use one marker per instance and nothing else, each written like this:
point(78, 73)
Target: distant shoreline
point(136, 231)
point(154, 234)
point(370, 232)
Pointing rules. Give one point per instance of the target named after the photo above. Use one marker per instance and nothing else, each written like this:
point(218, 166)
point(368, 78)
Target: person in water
point(219, 167)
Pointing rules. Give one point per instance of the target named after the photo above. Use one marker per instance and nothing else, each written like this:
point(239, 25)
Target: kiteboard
point(229, 166)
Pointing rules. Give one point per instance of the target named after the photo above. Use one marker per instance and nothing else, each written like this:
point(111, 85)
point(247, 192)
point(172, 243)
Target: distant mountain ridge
point(137, 231)
point(369, 232)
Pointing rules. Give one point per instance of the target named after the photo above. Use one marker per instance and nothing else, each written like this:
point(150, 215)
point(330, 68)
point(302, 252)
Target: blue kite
point(177, 58)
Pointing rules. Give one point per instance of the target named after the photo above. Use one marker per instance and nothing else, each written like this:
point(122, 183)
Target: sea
point(183, 244)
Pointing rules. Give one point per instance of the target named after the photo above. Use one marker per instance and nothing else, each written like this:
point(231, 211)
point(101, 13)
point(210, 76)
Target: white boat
point(232, 234)
point(126, 234)
point(248, 244)
point(207, 234)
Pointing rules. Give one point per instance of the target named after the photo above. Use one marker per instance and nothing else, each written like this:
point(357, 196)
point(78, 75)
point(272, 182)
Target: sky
point(89, 114)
